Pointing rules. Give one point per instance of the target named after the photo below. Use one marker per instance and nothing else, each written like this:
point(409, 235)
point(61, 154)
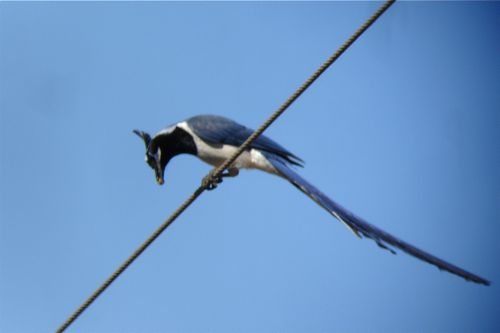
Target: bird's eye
point(153, 158)
point(150, 161)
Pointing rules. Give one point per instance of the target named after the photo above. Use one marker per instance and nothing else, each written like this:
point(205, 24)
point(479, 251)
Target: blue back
point(219, 130)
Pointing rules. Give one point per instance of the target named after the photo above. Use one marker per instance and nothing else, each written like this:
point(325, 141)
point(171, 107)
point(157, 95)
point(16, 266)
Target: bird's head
point(156, 158)
point(168, 143)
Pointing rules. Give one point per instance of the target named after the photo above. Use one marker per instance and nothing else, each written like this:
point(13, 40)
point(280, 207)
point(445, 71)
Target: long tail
point(362, 228)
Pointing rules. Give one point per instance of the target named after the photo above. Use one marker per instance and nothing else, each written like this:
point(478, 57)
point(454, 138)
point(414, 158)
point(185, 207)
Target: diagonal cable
point(216, 172)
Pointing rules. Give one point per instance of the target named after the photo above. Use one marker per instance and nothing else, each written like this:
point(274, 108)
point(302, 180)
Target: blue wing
point(362, 228)
point(217, 130)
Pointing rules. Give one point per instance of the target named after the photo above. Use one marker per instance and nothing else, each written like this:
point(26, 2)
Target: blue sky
point(404, 130)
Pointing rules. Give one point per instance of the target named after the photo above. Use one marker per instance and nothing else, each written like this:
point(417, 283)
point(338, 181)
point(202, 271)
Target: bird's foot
point(210, 182)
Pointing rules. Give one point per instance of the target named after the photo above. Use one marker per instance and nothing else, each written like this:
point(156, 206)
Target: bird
point(214, 138)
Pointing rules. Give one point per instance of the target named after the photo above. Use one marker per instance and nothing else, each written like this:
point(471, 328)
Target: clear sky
point(404, 130)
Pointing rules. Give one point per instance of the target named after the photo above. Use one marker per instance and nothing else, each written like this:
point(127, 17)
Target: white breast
point(215, 156)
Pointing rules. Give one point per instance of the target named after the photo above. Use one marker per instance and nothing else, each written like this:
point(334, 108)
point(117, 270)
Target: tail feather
point(362, 228)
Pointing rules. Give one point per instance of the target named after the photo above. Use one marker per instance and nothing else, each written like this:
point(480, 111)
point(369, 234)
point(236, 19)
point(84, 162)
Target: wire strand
point(216, 172)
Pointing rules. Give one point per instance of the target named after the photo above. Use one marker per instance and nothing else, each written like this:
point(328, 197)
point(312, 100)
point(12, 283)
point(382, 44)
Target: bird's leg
point(210, 182)
point(231, 172)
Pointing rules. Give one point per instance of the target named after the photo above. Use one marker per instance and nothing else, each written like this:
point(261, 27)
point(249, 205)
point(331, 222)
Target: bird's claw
point(210, 181)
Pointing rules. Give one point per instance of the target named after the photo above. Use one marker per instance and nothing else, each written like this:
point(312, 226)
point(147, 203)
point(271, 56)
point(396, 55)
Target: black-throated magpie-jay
point(213, 139)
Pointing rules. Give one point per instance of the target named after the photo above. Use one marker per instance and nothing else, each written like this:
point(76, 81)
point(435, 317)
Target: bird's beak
point(159, 174)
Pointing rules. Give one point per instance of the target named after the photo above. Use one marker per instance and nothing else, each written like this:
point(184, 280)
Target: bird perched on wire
point(213, 139)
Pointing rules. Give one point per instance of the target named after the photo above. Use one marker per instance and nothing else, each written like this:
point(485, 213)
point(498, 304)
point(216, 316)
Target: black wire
point(216, 172)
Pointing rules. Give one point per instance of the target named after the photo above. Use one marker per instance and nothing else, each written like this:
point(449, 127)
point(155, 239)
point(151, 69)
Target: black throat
point(174, 143)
